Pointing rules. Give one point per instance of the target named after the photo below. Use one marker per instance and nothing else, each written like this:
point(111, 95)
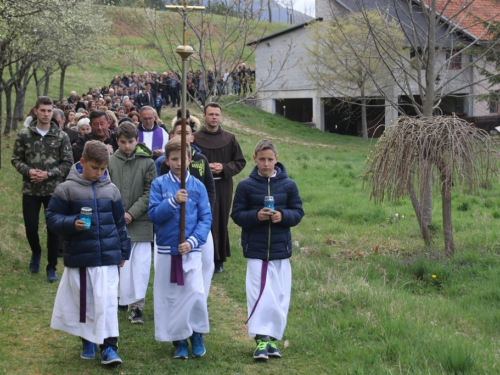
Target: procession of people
point(108, 170)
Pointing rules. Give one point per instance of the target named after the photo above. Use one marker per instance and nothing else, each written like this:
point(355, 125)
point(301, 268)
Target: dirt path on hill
point(233, 124)
point(229, 315)
point(236, 125)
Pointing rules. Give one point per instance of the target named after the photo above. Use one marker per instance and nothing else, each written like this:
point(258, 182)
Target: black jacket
point(80, 144)
point(263, 239)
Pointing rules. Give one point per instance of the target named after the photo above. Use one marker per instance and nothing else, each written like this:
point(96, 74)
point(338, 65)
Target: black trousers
point(110, 342)
point(31, 214)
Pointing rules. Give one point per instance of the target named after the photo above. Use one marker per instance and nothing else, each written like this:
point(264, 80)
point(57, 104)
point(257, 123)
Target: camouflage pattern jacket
point(51, 153)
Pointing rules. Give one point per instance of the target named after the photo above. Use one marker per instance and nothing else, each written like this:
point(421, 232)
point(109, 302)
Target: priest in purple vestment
point(150, 133)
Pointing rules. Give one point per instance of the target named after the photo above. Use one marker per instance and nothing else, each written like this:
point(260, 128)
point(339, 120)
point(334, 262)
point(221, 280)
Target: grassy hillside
point(364, 297)
point(128, 51)
point(368, 296)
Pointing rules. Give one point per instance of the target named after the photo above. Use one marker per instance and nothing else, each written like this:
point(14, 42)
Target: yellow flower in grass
point(434, 276)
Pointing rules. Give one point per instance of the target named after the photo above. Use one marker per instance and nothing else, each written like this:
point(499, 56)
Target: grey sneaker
point(135, 316)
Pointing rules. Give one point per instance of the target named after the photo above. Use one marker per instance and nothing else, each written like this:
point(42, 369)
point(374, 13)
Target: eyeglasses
point(148, 119)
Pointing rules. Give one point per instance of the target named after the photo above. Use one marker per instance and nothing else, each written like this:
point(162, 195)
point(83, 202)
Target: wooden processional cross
point(184, 52)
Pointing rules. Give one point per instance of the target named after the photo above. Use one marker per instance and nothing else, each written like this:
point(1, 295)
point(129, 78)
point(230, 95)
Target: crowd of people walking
point(128, 93)
point(107, 171)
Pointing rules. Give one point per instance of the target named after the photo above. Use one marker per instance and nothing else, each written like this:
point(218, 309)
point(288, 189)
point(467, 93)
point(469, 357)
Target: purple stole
point(157, 138)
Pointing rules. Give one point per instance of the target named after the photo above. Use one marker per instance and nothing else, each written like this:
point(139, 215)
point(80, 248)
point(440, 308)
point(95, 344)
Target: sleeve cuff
point(173, 203)
point(193, 242)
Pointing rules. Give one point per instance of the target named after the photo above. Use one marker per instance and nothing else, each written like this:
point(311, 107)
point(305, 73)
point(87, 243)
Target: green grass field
point(368, 296)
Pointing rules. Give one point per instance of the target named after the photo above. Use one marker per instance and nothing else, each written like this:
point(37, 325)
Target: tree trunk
point(446, 186)
point(424, 229)
point(19, 108)
point(8, 108)
point(38, 84)
point(364, 126)
point(270, 11)
point(21, 97)
point(18, 105)
point(426, 193)
point(61, 82)
point(449, 247)
point(15, 115)
point(427, 108)
point(46, 87)
point(1, 109)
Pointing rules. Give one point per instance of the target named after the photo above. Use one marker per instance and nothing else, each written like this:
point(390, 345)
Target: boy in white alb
point(267, 243)
point(132, 170)
point(180, 305)
point(87, 299)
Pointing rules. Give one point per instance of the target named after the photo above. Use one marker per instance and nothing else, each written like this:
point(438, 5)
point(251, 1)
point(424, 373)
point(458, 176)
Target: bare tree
point(340, 72)
point(31, 40)
point(220, 42)
point(289, 9)
point(462, 155)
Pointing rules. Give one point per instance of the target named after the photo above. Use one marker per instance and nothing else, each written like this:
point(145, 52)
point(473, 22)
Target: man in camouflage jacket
point(43, 156)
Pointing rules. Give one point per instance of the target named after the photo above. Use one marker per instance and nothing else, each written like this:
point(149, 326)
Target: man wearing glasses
point(152, 135)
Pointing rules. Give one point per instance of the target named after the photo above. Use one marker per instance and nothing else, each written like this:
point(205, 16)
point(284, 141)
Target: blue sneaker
point(272, 350)
point(261, 351)
point(197, 345)
point(89, 350)
point(109, 357)
point(51, 275)
point(181, 349)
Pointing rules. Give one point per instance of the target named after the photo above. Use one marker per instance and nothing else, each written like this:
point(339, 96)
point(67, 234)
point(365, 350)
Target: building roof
point(285, 31)
point(470, 15)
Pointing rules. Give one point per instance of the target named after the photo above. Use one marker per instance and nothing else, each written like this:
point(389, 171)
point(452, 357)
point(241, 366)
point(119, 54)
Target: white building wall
point(281, 72)
point(279, 63)
point(325, 9)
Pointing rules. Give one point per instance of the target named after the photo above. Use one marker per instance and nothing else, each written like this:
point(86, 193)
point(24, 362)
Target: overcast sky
point(299, 5)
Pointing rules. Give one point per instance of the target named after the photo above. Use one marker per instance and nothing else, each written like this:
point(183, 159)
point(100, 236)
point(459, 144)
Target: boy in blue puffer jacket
point(267, 245)
point(87, 298)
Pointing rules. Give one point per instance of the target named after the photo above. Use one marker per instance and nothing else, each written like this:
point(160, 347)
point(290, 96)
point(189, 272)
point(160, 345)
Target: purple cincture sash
point(263, 277)
point(176, 275)
point(157, 138)
point(83, 294)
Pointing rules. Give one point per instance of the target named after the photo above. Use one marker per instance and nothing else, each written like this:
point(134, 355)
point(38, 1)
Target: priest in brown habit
point(226, 159)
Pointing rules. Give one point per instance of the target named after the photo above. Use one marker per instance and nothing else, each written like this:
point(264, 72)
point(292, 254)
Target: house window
point(454, 60)
point(493, 106)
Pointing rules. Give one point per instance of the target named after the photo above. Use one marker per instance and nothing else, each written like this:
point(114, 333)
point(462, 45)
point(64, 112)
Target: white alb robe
point(270, 315)
point(102, 304)
point(207, 261)
point(179, 310)
point(134, 275)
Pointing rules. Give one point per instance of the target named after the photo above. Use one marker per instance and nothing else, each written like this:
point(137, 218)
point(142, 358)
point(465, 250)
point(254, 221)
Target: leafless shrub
point(446, 149)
